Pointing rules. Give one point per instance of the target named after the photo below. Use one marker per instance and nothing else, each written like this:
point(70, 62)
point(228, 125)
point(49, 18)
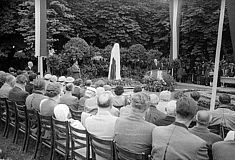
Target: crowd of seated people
point(141, 123)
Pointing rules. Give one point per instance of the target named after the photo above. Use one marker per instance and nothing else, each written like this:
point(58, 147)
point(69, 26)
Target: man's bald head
point(203, 117)
point(104, 100)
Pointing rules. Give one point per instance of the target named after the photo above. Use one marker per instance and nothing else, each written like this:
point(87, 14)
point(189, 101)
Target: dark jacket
point(153, 115)
point(205, 134)
point(17, 95)
point(165, 121)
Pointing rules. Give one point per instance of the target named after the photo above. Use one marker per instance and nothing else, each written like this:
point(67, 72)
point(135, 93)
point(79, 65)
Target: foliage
point(54, 62)
point(199, 30)
point(58, 21)
point(9, 16)
point(106, 22)
point(76, 48)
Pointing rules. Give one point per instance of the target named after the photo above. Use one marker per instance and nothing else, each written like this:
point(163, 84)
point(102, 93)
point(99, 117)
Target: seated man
point(7, 86)
point(47, 106)
point(175, 141)
point(33, 100)
point(92, 103)
point(165, 97)
point(29, 85)
point(133, 132)
point(102, 124)
point(153, 115)
point(170, 115)
point(223, 114)
point(18, 93)
point(69, 99)
point(203, 119)
point(224, 150)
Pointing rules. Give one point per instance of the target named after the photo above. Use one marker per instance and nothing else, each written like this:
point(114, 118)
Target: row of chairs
point(59, 136)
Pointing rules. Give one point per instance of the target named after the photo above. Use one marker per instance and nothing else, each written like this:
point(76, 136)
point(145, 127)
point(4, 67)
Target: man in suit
point(224, 150)
point(175, 141)
point(153, 115)
point(170, 117)
point(68, 99)
point(76, 73)
point(30, 67)
point(18, 93)
point(203, 119)
point(133, 132)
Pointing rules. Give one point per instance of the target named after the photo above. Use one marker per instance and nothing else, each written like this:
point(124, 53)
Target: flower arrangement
point(153, 84)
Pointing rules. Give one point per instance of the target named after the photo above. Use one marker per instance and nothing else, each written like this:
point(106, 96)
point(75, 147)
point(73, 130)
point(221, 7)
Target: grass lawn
point(13, 151)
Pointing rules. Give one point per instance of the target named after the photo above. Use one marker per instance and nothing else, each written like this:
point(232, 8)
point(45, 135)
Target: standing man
point(75, 70)
point(30, 66)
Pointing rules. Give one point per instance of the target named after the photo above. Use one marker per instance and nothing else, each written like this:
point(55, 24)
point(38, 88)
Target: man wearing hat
point(175, 141)
point(47, 78)
point(69, 80)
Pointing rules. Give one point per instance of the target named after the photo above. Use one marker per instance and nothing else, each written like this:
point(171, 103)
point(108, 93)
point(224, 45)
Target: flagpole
point(40, 33)
point(217, 57)
point(174, 32)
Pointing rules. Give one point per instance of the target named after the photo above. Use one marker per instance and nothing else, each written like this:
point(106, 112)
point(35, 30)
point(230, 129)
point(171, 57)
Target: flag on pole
point(114, 66)
point(40, 28)
point(175, 17)
point(231, 17)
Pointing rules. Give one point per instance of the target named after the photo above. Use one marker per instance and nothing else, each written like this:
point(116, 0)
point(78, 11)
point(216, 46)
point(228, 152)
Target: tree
point(58, 21)
point(199, 30)
point(76, 48)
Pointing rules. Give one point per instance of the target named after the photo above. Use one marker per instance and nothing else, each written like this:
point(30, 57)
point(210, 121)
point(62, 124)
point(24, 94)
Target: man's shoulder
point(222, 144)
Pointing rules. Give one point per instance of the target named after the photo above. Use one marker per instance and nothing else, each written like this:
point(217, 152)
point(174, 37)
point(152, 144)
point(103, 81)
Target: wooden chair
point(75, 114)
point(11, 118)
point(3, 114)
point(80, 144)
point(102, 148)
point(61, 138)
point(124, 154)
point(33, 130)
point(45, 128)
point(22, 124)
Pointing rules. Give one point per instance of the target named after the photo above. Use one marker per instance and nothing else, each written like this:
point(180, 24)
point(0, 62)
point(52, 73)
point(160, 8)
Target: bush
point(76, 48)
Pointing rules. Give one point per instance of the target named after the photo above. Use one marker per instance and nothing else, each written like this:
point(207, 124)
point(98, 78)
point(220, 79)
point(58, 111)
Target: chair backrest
point(32, 119)
point(45, 125)
point(76, 114)
point(124, 154)
point(11, 111)
point(100, 147)
point(22, 115)
point(11, 106)
point(79, 139)
point(3, 102)
point(61, 132)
